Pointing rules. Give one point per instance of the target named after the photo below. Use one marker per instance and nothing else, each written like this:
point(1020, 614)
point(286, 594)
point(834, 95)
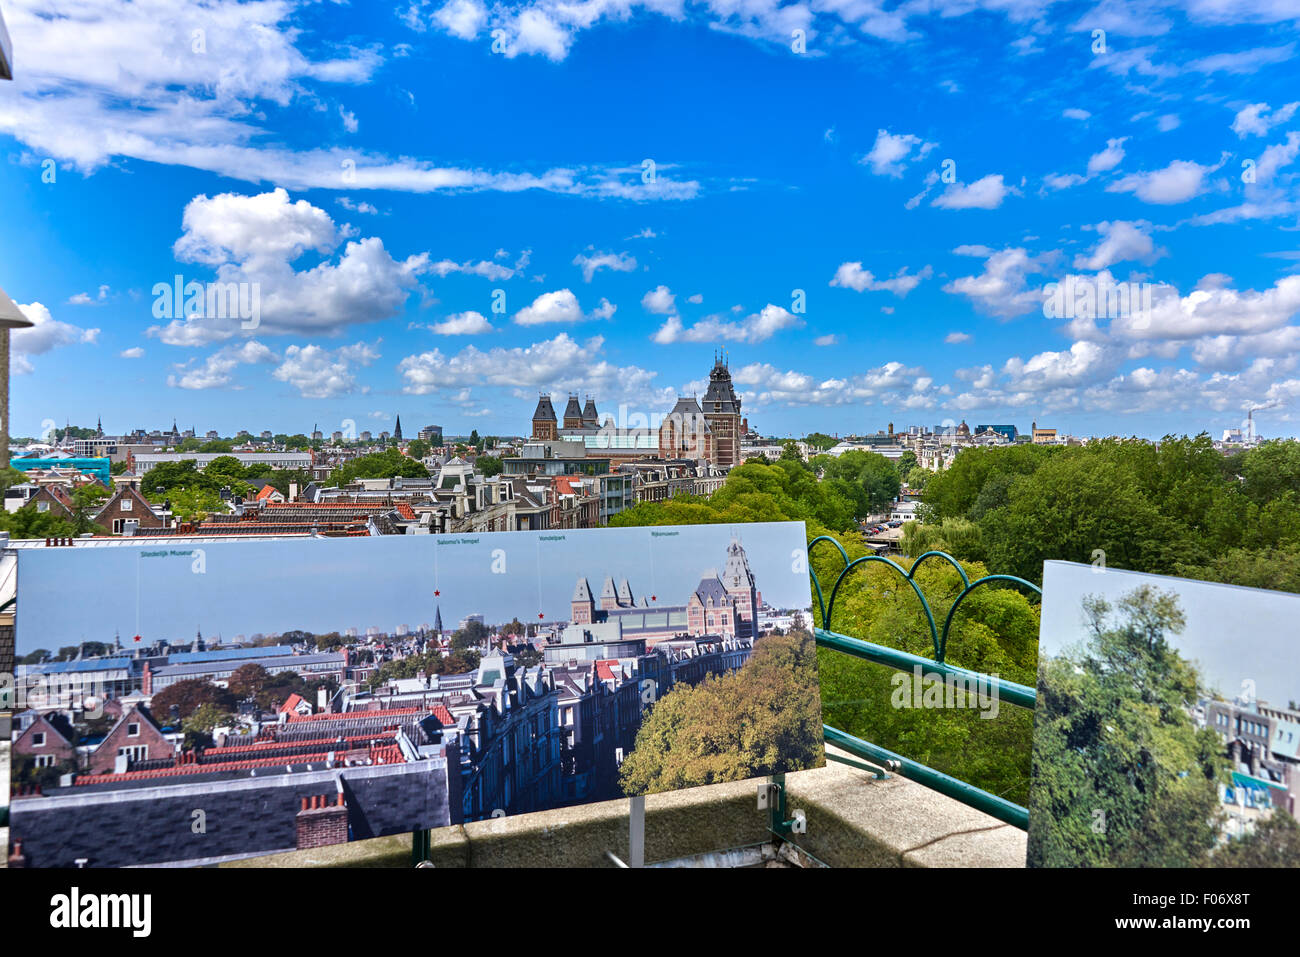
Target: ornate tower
point(590, 417)
point(722, 413)
point(397, 430)
point(738, 580)
point(544, 426)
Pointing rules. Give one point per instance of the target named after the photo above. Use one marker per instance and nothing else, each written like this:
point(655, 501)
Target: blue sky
point(920, 171)
point(1227, 653)
point(381, 582)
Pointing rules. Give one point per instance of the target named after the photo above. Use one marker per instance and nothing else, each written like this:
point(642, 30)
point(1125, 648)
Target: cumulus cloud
point(1119, 241)
point(985, 193)
point(463, 324)
point(1178, 182)
point(891, 152)
point(559, 306)
point(661, 301)
point(218, 370)
point(851, 275)
point(759, 327)
point(319, 373)
point(559, 364)
point(1001, 290)
point(45, 334)
point(255, 240)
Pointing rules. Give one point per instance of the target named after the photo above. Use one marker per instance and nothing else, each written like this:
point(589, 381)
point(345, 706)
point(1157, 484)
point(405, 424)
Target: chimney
point(322, 821)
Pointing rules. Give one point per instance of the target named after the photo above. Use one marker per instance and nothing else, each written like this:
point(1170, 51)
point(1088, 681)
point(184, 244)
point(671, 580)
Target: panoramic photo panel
point(299, 693)
point(1167, 732)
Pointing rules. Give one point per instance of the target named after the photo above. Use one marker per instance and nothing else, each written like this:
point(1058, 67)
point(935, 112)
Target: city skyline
point(271, 587)
point(865, 259)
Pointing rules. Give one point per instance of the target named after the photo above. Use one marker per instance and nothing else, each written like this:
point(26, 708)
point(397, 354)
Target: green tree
point(387, 464)
point(760, 719)
point(199, 725)
point(1121, 774)
point(489, 465)
point(418, 449)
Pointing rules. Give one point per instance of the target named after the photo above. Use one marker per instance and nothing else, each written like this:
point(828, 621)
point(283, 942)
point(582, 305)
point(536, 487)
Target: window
point(133, 730)
point(44, 761)
point(134, 752)
point(38, 739)
point(127, 504)
point(42, 506)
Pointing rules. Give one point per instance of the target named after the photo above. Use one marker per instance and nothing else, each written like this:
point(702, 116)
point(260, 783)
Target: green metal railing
point(1016, 694)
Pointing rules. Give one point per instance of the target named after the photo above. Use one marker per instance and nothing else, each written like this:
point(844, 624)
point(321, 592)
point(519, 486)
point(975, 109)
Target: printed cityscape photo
point(650, 672)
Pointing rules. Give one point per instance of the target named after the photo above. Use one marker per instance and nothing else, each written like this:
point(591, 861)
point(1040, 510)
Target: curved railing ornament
point(938, 638)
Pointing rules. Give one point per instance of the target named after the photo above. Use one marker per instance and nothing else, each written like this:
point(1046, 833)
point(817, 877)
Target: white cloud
point(1001, 289)
point(487, 270)
point(955, 338)
point(985, 193)
point(463, 324)
point(755, 328)
point(1257, 119)
point(255, 240)
point(1108, 158)
point(319, 373)
point(593, 263)
point(559, 306)
point(851, 275)
point(559, 364)
point(829, 339)
point(139, 89)
point(462, 18)
point(86, 299)
point(349, 120)
point(660, 301)
point(1119, 241)
point(1276, 157)
point(893, 151)
point(45, 334)
point(1243, 61)
point(358, 207)
point(1178, 182)
point(892, 382)
point(217, 370)
point(1074, 113)
point(135, 352)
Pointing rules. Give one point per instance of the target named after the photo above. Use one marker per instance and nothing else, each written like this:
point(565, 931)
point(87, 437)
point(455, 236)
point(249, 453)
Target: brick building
point(135, 738)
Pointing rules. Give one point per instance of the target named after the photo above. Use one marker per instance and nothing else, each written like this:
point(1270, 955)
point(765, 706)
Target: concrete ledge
point(854, 820)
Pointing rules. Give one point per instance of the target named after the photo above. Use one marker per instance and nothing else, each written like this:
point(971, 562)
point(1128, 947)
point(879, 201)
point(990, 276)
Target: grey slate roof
point(583, 591)
point(721, 396)
point(544, 409)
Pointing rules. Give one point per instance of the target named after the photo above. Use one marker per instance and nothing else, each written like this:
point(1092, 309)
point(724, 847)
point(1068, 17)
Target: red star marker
point(436, 593)
point(654, 597)
point(137, 637)
point(540, 615)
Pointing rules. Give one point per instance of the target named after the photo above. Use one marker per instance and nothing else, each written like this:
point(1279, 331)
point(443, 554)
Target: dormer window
point(133, 730)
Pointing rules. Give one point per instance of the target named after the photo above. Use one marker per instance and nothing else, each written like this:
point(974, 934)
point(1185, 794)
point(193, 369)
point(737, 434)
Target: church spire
point(397, 429)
